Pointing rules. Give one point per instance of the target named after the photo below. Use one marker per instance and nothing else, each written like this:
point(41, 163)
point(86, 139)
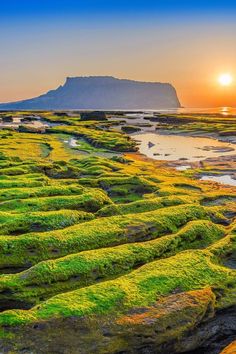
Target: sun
point(225, 79)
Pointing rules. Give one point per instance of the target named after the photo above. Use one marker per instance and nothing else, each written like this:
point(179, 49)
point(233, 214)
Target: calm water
point(221, 110)
point(185, 148)
point(216, 110)
point(139, 119)
point(225, 179)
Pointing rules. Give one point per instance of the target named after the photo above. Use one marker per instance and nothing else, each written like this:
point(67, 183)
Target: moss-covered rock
point(15, 224)
point(110, 254)
point(90, 201)
point(146, 327)
point(105, 232)
point(78, 270)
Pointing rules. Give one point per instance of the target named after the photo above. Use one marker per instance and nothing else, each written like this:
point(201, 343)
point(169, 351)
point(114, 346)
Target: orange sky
point(189, 54)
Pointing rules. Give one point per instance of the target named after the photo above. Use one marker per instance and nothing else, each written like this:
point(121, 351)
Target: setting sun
point(225, 79)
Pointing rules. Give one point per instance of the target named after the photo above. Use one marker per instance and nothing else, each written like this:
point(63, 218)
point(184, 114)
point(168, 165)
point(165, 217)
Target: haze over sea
point(188, 110)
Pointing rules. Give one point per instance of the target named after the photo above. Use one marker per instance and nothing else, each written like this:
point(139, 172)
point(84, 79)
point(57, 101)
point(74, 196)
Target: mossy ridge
point(109, 140)
point(28, 176)
point(218, 198)
point(123, 188)
point(91, 201)
point(104, 232)
point(24, 145)
point(108, 182)
point(45, 191)
point(145, 205)
point(54, 276)
point(13, 171)
point(16, 224)
point(32, 146)
point(27, 181)
point(134, 182)
point(89, 164)
point(24, 170)
point(226, 247)
point(141, 287)
point(170, 317)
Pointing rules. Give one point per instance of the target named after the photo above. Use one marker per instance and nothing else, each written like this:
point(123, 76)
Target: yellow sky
point(190, 55)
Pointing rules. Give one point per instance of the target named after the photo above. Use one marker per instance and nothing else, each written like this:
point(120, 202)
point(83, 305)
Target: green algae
point(139, 288)
point(99, 138)
point(105, 232)
point(99, 235)
point(144, 205)
point(14, 224)
point(89, 201)
point(77, 270)
point(45, 191)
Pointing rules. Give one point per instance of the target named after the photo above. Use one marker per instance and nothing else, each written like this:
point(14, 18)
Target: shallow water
point(183, 167)
point(137, 119)
point(192, 110)
point(183, 110)
point(73, 142)
point(184, 148)
point(225, 179)
point(189, 110)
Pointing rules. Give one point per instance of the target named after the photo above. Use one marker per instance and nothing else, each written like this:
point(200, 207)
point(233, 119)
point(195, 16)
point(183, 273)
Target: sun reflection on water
point(225, 110)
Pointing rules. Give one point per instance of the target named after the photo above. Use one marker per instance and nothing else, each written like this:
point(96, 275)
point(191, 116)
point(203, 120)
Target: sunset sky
point(186, 43)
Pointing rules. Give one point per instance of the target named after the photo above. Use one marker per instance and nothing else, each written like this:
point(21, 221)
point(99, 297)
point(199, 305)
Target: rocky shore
point(109, 251)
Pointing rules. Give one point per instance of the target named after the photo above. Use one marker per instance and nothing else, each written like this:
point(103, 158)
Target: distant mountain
point(102, 92)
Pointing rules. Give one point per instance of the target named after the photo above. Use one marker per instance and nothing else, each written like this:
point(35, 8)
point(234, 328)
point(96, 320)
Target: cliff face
point(103, 92)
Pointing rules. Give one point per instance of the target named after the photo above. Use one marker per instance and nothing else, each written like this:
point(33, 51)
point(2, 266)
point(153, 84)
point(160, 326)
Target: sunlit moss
point(90, 232)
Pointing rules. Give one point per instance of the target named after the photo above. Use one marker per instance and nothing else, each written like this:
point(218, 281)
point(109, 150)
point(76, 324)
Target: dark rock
point(61, 114)
point(130, 129)
point(31, 129)
point(150, 144)
point(7, 119)
point(96, 115)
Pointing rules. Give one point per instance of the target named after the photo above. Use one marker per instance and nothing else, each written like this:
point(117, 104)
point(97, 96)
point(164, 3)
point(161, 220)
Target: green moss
point(144, 205)
point(122, 189)
point(14, 224)
point(90, 201)
point(104, 232)
point(45, 191)
point(77, 270)
point(22, 183)
point(109, 140)
point(84, 234)
point(141, 287)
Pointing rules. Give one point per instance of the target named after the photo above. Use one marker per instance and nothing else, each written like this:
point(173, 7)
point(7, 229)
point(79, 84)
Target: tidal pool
point(183, 148)
point(224, 179)
point(73, 142)
point(183, 168)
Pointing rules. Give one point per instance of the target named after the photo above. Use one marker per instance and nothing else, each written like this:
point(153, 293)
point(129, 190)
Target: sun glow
point(225, 79)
